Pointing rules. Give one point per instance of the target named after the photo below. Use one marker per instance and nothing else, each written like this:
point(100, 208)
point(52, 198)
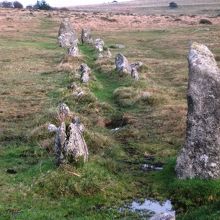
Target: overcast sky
point(62, 3)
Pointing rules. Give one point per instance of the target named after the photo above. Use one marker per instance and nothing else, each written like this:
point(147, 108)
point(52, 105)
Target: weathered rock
point(200, 155)
point(63, 111)
point(136, 65)
point(73, 51)
point(85, 73)
point(67, 36)
point(164, 216)
point(86, 36)
point(117, 46)
point(70, 145)
point(134, 74)
point(75, 147)
point(99, 44)
point(122, 64)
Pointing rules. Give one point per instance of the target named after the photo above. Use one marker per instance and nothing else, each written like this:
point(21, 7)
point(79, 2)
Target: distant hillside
point(147, 7)
point(153, 3)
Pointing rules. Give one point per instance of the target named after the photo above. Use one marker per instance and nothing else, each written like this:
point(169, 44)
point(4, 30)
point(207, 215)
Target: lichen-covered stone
point(122, 65)
point(99, 44)
point(67, 36)
point(70, 145)
point(85, 73)
point(200, 155)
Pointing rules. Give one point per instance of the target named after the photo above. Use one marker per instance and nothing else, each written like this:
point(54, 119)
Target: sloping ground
point(32, 85)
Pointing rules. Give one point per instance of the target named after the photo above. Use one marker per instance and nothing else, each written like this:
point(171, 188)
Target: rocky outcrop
point(85, 73)
point(200, 155)
point(67, 36)
point(70, 145)
point(86, 37)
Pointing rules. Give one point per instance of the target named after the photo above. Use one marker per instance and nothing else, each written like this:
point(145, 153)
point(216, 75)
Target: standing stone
point(75, 147)
point(85, 73)
point(86, 36)
point(73, 51)
point(99, 44)
point(122, 64)
point(70, 145)
point(200, 155)
point(67, 36)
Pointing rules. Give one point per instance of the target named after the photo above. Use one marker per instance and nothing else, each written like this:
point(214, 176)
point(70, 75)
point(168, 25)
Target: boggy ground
point(32, 85)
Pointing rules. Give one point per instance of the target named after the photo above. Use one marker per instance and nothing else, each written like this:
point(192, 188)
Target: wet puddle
point(152, 206)
point(152, 167)
point(148, 208)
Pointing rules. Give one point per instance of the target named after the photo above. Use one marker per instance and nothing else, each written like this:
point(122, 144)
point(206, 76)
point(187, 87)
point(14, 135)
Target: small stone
point(85, 73)
point(73, 51)
point(63, 110)
point(99, 44)
point(134, 74)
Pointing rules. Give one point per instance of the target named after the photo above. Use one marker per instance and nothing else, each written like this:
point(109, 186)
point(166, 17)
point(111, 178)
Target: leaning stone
point(86, 36)
point(73, 51)
point(200, 155)
point(67, 36)
point(122, 64)
point(85, 73)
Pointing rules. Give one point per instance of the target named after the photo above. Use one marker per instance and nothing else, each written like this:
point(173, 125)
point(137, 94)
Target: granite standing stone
point(200, 155)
